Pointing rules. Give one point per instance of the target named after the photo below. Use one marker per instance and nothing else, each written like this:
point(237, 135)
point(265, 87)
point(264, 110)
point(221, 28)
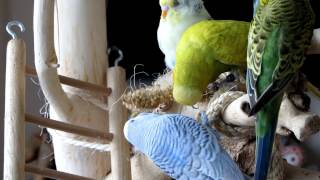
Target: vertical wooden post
point(14, 126)
point(81, 43)
point(118, 115)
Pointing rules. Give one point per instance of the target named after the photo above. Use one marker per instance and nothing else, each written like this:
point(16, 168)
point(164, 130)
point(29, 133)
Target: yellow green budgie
point(176, 17)
point(279, 37)
point(198, 49)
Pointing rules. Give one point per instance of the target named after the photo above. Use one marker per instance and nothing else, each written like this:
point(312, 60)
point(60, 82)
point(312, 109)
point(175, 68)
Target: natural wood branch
point(234, 114)
point(52, 173)
point(315, 42)
point(46, 60)
point(301, 123)
point(75, 83)
point(49, 123)
point(118, 115)
point(14, 126)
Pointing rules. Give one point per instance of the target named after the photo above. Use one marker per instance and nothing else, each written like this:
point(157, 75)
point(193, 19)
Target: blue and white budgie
point(182, 147)
point(177, 16)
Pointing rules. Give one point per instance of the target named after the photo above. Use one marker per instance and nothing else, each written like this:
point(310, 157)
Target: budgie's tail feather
point(263, 155)
point(265, 132)
point(275, 89)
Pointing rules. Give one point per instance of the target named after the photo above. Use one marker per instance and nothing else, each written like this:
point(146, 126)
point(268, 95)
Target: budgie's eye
point(230, 78)
point(197, 7)
point(175, 3)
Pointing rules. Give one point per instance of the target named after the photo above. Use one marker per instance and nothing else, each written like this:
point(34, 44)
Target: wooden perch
point(315, 42)
point(75, 83)
point(14, 126)
point(50, 173)
point(301, 123)
point(49, 123)
point(45, 58)
point(118, 115)
point(82, 56)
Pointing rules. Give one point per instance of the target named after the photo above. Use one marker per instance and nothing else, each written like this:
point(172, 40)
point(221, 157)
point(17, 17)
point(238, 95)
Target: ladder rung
point(66, 127)
point(50, 173)
point(75, 83)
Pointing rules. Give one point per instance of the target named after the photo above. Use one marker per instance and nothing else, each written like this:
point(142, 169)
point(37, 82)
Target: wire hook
point(14, 23)
point(120, 57)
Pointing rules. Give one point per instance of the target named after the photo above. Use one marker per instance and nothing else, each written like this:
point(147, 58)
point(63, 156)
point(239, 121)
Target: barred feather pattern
point(183, 148)
point(295, 19)
point(202, 160)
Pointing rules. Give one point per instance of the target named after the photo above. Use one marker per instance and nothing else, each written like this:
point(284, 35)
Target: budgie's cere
point(176, 17)
point(181, 147)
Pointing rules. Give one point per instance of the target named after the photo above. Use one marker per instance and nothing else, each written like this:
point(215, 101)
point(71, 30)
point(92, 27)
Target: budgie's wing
point(272, 41)
point(208, 159)
point(222, 40)
point(264, 88)
point(189, 150)
point(226, 40)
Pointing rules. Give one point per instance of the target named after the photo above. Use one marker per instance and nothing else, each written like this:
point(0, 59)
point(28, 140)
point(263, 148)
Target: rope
point(98, 145)
point(214, 112)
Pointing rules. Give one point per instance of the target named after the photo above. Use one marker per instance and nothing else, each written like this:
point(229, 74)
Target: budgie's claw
point(204, 119)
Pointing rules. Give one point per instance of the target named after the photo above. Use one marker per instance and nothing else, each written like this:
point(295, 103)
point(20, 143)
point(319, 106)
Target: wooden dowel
point(14, 125)
point(118, 115)
point(68, 127)
point(75, 83)
point(50, 173)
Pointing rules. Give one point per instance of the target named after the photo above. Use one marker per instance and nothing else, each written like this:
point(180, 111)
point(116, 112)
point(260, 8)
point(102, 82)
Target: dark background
point(132, 26)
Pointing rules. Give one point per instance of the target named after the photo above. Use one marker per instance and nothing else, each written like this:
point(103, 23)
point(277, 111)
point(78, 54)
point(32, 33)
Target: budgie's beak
point(164, 12)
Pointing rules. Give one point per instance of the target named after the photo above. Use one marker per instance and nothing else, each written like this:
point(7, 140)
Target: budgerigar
point(198, 49)
point(176, 17)
point(182, 147)
point(279, 37)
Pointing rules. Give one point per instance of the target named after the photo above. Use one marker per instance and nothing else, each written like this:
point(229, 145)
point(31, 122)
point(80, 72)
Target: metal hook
point(14, 23)
point(120, 57)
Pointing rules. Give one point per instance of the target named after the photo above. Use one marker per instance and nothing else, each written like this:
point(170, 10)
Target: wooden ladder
point(15, 118)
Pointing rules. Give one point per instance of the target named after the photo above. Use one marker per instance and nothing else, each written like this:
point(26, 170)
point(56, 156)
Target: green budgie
point(198, 49)
point(206, 50)
point(279, 37)
point(176, 17)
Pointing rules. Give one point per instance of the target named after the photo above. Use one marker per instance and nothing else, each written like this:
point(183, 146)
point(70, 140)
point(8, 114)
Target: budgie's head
point(258, 3)
point(172, 8)
point(138, 130)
